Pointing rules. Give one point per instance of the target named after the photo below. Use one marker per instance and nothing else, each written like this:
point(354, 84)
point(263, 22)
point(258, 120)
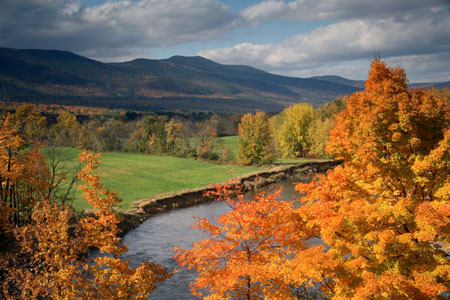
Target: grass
point(228, 142)
point(136, 176)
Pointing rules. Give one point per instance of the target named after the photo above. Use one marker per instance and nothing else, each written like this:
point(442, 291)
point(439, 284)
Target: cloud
point(112, 28)
point(418, 33)
point(314, 10)
point(419, 68)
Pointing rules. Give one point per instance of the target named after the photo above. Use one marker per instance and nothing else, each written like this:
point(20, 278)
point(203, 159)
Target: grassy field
point(228, 142)
point(136, 176)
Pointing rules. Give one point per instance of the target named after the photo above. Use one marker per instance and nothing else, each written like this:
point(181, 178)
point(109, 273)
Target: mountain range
point(178, 83)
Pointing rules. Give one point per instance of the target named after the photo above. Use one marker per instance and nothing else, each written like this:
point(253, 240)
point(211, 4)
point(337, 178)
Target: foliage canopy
point(376, 227)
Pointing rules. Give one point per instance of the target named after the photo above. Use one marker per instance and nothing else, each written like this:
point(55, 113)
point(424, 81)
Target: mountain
point(341, 80)
point(360, 83)
point(428, 85)
point(177, 83)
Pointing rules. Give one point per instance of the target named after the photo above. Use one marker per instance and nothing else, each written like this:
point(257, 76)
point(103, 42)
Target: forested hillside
point(184, 83)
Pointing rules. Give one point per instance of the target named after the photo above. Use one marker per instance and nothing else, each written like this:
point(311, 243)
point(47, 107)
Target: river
point(156, 237)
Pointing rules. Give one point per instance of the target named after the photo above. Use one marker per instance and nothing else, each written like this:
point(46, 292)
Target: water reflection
point(156, 237)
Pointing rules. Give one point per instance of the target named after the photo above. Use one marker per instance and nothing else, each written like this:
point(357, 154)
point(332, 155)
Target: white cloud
point(114, 25)
point(350, 40)
point(313, 10)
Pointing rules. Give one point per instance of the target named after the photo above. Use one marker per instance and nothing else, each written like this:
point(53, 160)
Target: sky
point(300, 38)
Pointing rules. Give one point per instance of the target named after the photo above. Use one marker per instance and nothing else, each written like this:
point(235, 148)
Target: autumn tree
point(137, 141)
point(30, 123)
point(65, 132)
point(385, 213)
point(206, 132)
point(154, 129)
point(23, 172)
point(10, 169)
point(246, 253)
point(320, 126)
point(255, 140)
point(293, 136)
point(112, 134)
point(329, 110)
point(227, 155)
point(376, 227)
point(319, 135)
point(51, 264)
point(176, 134)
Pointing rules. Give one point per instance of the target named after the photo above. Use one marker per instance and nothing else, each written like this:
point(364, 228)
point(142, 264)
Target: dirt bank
point(142, 209)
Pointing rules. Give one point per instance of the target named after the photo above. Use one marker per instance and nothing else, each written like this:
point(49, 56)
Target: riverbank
point(142, 209)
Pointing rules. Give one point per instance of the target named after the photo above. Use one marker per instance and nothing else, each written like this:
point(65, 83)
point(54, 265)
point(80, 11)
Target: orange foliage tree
point(52, 267)
point(10, 142)
point(23, 173)
point(385, 213)
point(376, 227)
point(247, 254)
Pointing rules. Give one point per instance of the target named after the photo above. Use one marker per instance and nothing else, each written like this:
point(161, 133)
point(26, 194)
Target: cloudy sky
point(296, 38)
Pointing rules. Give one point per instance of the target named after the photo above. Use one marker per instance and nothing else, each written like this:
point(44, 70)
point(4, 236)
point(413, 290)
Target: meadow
point(135, 176)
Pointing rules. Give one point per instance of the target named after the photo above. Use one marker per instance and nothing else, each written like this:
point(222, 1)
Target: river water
point(156, 237)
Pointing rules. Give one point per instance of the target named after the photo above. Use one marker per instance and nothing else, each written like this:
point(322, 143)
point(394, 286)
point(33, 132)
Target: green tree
point(255, 140)
point(154, 128)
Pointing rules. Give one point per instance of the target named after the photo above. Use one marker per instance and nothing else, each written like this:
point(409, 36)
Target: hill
point(177, 83)
point(360, 83)
point(184, 83)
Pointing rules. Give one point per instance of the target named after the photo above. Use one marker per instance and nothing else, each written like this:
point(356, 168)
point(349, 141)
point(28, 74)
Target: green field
point(228, 142)
point(136, 176)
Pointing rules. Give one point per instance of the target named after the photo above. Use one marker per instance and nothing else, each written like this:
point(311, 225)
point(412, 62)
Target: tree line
point(298, 131)
point(182, 135)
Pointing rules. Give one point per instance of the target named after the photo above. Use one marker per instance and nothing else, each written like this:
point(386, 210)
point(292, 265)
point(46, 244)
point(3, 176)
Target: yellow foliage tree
point(293, 135)
point(319, 135)
point(255, 140)
point(175, 131)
